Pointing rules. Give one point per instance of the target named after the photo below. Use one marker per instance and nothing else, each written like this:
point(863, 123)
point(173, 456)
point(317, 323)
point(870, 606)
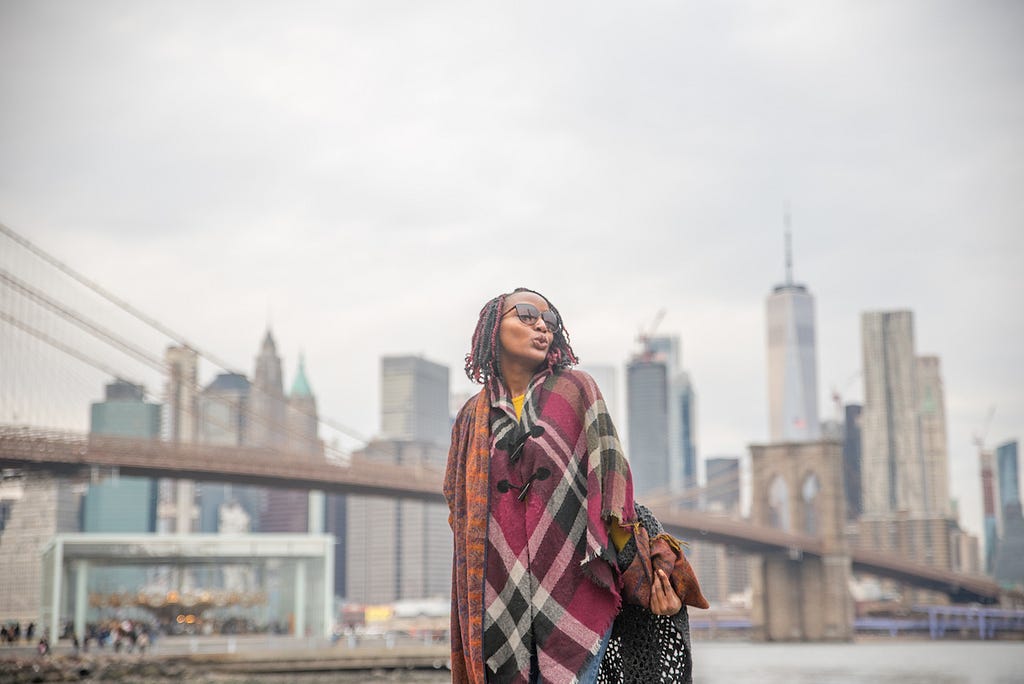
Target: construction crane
point(978, 438)
point(837, 395)
point(645, 334)
point(989, 497)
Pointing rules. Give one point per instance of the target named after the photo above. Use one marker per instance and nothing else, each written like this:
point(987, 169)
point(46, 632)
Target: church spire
point(269, 346)
point(300, 387)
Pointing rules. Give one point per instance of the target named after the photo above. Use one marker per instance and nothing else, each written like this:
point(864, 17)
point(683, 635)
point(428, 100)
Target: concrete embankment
point(226, 667)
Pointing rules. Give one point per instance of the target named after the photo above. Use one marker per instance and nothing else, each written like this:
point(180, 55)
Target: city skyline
point(662, 165)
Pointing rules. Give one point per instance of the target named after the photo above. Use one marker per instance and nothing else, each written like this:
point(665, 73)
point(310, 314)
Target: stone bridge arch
point(778, 505)
point(809, 513)
point(793, 504)
point(798, 487)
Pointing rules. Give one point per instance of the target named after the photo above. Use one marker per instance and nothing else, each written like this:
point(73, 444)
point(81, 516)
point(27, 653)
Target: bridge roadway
point(74, 455)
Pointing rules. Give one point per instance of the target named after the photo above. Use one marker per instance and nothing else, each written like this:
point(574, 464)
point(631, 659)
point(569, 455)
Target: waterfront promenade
point(900, 660)
point(177, 657)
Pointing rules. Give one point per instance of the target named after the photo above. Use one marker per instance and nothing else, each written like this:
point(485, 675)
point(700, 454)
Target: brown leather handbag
point(662, 551)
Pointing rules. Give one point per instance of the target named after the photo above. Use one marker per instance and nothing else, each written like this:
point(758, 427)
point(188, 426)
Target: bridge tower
point(798, 487)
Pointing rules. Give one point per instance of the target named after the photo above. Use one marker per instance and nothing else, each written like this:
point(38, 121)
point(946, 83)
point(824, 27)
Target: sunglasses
point(529, 314)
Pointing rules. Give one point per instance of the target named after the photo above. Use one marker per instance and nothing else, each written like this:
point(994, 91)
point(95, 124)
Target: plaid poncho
point(534, 573)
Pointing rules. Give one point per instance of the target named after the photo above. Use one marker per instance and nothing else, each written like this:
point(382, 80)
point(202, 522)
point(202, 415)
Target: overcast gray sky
point(367, 174)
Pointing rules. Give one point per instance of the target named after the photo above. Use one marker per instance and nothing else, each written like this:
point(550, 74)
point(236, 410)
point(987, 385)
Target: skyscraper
point(181, 395)
point(904, 485)
point(303, 420)
point(661, 410)
point(403, 549)
point(892, 465)
point(1009, 479)
point(224, 410)
point(122, 504)
point(176, 510)
point(414, 400)
point(268, 407)
point(273, 416)
point(1009, 556)
point(852, 459)
point(905, 461)
point(723, 483)
point(224, 420)
point(989, 508)
point(723, 570)
point(33, 508)
point(288, 509)
point(792, 359)
point(931, 404)
point(336, 524)
point(647, 387)
point(683, 449)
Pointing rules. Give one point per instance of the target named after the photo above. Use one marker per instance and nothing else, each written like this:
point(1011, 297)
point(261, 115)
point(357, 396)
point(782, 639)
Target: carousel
point(183, 608)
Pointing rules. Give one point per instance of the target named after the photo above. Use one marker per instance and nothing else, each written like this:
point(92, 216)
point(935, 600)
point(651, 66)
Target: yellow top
point(517, 404)
point(619, 535)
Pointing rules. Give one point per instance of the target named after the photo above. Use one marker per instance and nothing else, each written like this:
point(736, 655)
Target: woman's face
point(524, 344)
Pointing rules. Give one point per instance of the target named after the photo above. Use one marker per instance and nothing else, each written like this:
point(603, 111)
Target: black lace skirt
point(646, 648)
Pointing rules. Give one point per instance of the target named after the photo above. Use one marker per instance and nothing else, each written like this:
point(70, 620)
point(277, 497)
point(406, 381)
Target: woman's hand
point(664, 600)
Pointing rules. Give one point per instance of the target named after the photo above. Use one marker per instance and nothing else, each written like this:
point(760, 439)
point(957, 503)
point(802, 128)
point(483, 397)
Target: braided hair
point(482, 361)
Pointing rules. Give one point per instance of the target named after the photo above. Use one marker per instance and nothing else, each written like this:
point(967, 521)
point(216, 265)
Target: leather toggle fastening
point(539, 476)
point(515, 442)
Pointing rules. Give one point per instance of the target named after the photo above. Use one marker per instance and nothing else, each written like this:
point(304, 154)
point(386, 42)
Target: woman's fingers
point(673, 602)
point(658, 598)
point(663, 598)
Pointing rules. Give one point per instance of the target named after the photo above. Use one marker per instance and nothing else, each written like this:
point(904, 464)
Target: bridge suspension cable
point(110, 338)
point(153, 361)
point(60, 346)
point(114, 340)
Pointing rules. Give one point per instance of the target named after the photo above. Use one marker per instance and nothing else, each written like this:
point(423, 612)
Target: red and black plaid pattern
point(548, 585)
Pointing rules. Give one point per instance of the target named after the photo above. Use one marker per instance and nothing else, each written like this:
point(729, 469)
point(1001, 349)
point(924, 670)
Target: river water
point(879, 662)
point(717, 662)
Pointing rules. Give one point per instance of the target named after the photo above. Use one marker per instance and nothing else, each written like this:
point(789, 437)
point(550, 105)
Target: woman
point(539, 492)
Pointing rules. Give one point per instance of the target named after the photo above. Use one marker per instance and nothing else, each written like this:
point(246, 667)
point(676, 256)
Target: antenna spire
point(789, 246)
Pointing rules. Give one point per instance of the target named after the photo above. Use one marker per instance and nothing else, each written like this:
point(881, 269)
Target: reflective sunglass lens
point(527, 313)
point(550, 320)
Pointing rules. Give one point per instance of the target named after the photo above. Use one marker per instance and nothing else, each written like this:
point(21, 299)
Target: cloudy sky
point(365, 175)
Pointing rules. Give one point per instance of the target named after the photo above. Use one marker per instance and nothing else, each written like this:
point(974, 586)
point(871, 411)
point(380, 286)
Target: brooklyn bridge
point(53, 338)
point(25, 448)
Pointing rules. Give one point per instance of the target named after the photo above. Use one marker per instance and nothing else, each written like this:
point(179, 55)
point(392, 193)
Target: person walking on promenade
point(541, 505)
